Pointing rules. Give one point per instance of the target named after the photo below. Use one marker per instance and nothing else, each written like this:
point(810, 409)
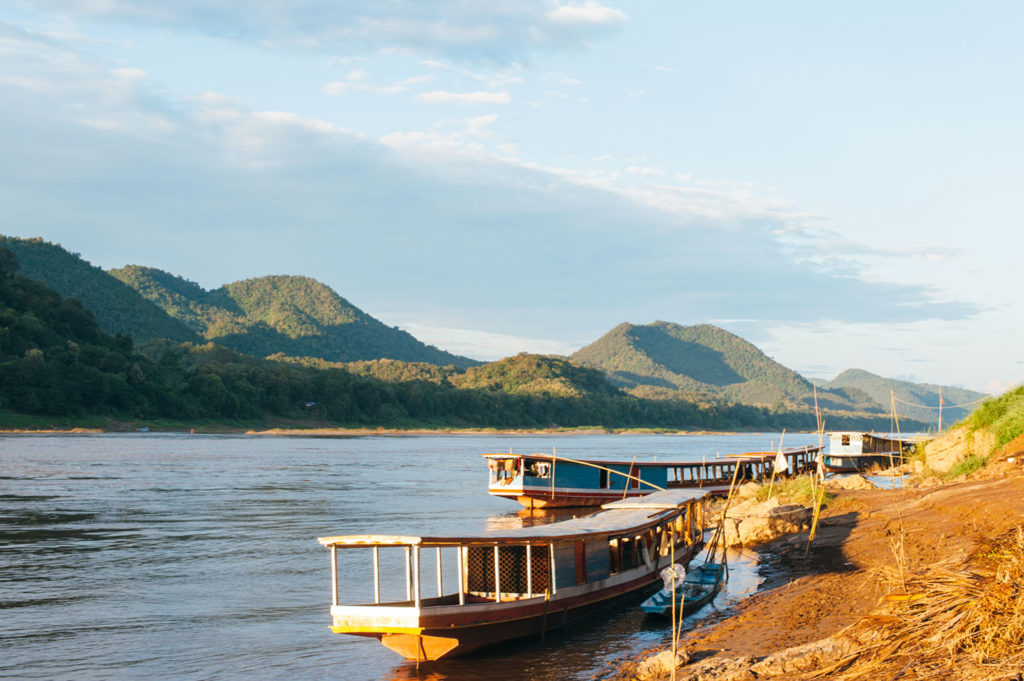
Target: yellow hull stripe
point(415, 631)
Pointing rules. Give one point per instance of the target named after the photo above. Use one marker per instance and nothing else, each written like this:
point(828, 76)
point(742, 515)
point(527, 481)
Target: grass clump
point(968, 465)
point(945, 623)
point(797, 490)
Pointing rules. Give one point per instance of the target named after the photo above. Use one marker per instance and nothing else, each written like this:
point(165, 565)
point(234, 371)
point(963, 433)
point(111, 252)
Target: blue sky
point(839, 184)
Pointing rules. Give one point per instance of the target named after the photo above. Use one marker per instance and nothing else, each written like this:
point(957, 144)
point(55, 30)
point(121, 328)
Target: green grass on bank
point(1004, 415)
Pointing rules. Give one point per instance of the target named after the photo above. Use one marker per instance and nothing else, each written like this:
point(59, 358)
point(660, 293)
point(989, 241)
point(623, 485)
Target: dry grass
point(945, 623)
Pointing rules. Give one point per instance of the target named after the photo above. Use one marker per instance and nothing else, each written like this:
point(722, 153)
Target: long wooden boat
point(517, 582)
point(692, 593)
point(849, 452)
point(546, 480)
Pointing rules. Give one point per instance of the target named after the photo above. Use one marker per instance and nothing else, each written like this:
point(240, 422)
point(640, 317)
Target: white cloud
point(130, 73)
point(588, 12)
point(470, 98)
point(356, 83)
point(485, 345)
point(464, 30)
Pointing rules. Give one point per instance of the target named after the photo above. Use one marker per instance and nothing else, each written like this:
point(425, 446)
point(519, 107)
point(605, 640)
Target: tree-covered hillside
point(56, 361)
point(294, 316)
point(117, 308)
point(705, 362)
point(915, 400)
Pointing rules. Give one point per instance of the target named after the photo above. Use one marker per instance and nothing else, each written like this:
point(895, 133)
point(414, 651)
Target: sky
point(838, 183)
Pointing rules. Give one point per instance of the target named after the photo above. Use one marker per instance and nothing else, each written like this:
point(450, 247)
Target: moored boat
point(518, 582)
point(850, 452)
point(548, 480)
point(692, 592)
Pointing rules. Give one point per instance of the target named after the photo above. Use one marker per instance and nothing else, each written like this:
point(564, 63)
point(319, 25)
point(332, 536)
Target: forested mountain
point(915, 400)
point(55, 361)
point(296, 316)
point(118, 308)
point(705, 362)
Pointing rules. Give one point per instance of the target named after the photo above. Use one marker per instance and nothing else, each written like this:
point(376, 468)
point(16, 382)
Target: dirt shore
point(811, 595)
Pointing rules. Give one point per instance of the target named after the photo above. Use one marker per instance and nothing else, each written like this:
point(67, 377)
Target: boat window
point(604, 484)
point(537, 469)
point(846, 440)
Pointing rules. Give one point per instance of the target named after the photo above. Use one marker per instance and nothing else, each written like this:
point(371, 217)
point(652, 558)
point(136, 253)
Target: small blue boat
point(691, 594)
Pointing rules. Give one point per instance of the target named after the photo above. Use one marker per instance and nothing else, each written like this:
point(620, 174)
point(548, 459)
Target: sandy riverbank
point(814, 596)
point(348, 432)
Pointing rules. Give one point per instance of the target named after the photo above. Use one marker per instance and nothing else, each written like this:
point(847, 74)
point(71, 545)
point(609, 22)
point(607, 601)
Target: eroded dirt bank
point(810, 597)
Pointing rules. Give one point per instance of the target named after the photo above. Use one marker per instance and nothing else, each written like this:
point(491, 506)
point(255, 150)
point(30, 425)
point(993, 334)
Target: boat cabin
point(853, 451)
point(511, 583)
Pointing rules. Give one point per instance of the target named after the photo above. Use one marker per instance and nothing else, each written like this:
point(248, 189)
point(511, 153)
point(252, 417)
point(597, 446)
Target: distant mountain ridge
point(706, 361)
point(915, 400)
point(296, 316)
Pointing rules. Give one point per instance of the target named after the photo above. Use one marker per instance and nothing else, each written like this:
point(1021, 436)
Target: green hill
point(915, 400)
point(526, 374)
point(118, 308)
point(296, 316)
point(707, 363)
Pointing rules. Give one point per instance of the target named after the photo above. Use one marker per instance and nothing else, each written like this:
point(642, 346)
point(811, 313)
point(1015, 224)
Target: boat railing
point(496, 571)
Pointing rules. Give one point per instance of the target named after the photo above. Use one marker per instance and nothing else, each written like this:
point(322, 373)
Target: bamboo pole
point(625, 486)
point(675, 637)
point(772, 482)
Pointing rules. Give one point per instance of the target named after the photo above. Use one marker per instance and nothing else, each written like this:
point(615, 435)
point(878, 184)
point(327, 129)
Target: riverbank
point(331, 431)
point(818, 609)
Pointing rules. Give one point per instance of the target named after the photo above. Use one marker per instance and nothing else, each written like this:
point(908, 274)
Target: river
point(170, 556)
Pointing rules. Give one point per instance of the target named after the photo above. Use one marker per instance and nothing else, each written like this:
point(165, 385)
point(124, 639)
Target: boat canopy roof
point(905, 437)
point(749, 457)
point(619, 517)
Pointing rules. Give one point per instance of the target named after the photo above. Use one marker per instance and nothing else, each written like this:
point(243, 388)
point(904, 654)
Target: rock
point(746, 491)
point(853, 481)
point(657, 666)
point(750, 522)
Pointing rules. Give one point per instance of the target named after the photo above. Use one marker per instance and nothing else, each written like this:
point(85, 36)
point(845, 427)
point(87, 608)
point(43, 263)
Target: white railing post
point(462, 578)
point(551, 553)
point(334, 575)
point(497, 575)
point(408, 573)
point(529, 572)
point(416, 577)
point(440, 583)
point(376, 574)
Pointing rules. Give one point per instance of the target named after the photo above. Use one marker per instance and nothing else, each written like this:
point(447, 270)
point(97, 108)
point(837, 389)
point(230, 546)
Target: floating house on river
point(547, 480)
point(518, 582)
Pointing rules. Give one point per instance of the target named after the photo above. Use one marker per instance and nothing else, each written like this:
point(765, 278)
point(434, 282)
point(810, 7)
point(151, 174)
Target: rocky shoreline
point(880, 556)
